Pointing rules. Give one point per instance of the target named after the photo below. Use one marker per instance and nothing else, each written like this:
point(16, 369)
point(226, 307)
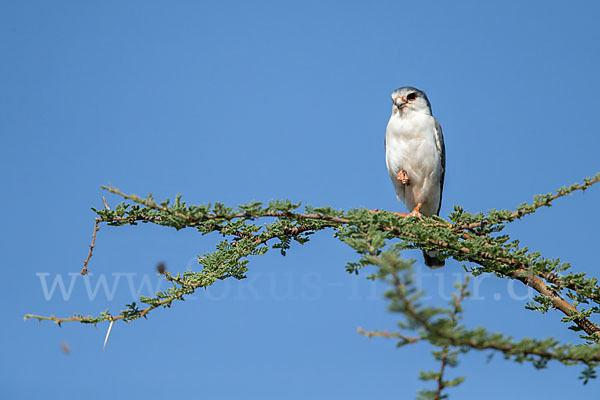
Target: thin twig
point(440, 377)
point(152, 204)
point(84, 271)
point(521, 213)
point(389, 335)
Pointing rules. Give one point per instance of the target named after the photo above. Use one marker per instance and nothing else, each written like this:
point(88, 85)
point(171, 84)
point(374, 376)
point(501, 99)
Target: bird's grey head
point(408, 99)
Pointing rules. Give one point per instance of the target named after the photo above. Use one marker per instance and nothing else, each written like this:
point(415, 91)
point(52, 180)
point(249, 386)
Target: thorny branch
point(460, 249)
point(464, 237)
point(84, 271)
point(458, 340)
point(445, 357)
point(519, 273)
point(440, 327)
point(521, 212)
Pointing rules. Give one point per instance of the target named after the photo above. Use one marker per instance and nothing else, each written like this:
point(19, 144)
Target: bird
point(415, 156)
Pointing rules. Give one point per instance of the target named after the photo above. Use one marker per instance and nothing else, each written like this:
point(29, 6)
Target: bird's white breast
point(411, 145)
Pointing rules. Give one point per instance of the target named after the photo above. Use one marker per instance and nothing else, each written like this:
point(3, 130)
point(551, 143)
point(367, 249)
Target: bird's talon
point(416, 212)
point(402, 176)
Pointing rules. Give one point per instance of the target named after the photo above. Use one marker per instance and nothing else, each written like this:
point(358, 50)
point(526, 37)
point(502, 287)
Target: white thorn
point(112, 321)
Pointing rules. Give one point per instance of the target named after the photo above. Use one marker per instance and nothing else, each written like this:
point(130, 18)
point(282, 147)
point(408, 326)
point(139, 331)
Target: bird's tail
point(432, 260)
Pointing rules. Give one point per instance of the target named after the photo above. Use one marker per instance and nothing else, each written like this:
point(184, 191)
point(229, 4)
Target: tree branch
point(455, 239)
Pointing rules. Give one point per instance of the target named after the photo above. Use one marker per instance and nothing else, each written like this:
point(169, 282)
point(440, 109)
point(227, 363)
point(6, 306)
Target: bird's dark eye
point(411, 96)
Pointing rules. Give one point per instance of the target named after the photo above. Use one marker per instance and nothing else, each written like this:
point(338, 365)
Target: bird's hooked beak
point(400, 102)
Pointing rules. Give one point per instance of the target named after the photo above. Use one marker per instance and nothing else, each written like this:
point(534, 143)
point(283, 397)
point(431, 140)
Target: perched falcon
point(416, 157)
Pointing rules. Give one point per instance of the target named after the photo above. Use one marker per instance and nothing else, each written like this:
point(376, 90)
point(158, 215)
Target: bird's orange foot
point(402, 176)
point(416, 212)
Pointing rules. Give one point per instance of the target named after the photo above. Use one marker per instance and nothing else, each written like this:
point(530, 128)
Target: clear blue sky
point(235, 101)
